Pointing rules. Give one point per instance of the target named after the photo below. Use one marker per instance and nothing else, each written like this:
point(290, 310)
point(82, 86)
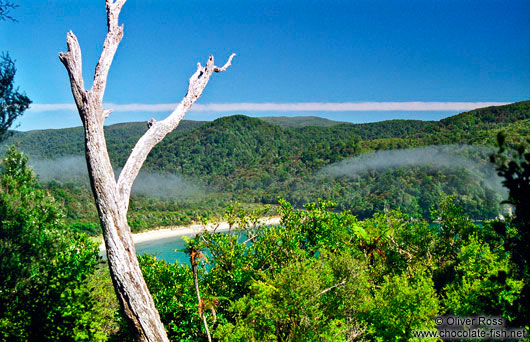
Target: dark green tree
point(12, 102)
point(515, 169)
point(5, 7)
point(44, 294)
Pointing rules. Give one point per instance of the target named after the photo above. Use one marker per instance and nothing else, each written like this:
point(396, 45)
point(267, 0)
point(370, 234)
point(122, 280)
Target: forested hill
point(490, 117)
point(299, 121)
point(54, 143)
point(249, 148)
point(470, 127)
point(254, 161)
point(481, 125)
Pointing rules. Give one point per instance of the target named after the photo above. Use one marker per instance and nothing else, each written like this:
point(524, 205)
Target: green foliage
point(483, 283)
point(86, 227)
point(473, 270)
point(325, 276)
point(297, 303)
point(43, 274)
point(454, 228)
point(401, 304)
point(299, 121)
point(105, 304)
point(319, 276)
point(516, 174)
point(171, 286)
point(515, 169)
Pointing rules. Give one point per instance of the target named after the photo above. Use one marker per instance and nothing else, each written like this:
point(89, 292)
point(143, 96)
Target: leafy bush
point(515, 232)
point(43, 274)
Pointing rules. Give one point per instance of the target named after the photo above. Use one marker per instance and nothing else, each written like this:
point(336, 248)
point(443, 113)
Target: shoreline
point(176, 231)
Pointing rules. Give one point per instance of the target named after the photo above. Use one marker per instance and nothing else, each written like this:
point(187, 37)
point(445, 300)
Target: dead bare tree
point(111, 196)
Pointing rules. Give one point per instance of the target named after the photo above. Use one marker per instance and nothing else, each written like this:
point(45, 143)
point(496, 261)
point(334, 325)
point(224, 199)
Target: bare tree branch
point(111, 197)
point(332, 287)
point(194, 255)
point(160, 129)
point(113, 11)
point(112, 40)
point(401, 250)
point(227, 64)
point(73, 64)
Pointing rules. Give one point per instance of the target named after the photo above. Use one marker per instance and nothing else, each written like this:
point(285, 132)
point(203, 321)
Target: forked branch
point(112, 198)
point(73, 63)
point(112, 40)
point(160, 129)
point(227, 64)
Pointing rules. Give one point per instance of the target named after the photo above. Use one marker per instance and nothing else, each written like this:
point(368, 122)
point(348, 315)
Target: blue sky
point(344, 60)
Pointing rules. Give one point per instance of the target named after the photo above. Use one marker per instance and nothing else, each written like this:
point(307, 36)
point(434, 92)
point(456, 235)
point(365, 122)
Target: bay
point(169, 249)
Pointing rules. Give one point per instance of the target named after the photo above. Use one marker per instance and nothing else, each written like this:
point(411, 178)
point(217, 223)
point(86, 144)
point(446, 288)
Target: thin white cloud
point(342, 106)
point(37, 107)
point(141, 107)
point(285, 107)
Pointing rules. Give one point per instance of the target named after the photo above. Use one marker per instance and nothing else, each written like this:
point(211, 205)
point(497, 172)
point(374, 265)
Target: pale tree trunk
point(111, 196)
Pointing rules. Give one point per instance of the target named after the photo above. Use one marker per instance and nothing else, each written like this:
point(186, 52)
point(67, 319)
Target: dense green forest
point(321, 275)
point(254, 161)
point(383, 227)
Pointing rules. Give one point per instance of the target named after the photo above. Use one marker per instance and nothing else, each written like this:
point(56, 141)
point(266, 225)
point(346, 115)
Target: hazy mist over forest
point(468, 158)
point(72, 169)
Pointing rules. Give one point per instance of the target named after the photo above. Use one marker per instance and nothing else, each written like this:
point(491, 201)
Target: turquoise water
point(169, 249)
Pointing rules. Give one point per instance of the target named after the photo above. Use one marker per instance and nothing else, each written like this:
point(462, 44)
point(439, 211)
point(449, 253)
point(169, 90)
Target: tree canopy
point(12, 102)
point(44, 293)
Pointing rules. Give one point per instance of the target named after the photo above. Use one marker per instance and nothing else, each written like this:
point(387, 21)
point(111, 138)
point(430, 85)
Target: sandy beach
point(168, 232)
